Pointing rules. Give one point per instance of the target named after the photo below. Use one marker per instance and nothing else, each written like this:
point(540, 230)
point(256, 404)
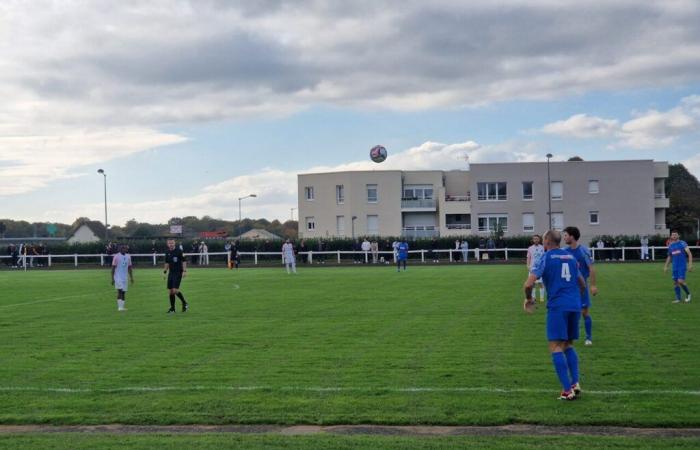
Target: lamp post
point(102, 172)
point(292, 213)
point(549, 192)
point(352, 224)
point(240, 218)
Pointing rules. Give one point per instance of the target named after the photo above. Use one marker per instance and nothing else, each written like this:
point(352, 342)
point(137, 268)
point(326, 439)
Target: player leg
point(558, 336)
point(585, 311)
point(572, 321)
point(171, 292)
point(398, 265)
point(684, 286)
point(294, 265)
point(677, 288)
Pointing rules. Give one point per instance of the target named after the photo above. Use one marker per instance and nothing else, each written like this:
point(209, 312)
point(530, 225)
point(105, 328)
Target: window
point(492, 191)
point(528, 222)
point(373, 225)
point(310, 224)
point(414, 192)
point(593, 218)
point(372, 196)
point(593, 187)
point(557, 190)
point(558, 221)
point(340, 225)
point(339, 194)
point(309, 192)
point(527, 190)
point(492, 222)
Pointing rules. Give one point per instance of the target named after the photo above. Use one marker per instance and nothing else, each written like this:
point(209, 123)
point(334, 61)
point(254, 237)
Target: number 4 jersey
point(559, 272)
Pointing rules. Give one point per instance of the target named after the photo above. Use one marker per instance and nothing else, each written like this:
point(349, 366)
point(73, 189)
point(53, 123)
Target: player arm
point(528, 261)
point(113, 269)
point(528, 286)
point(166, 268)
point(581, 284)
point(668, 260)
point(690, 258)
point(594, 286)
point(184, 266)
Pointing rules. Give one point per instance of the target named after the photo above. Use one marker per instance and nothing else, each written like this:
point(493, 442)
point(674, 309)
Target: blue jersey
point(403, 250)
point(583, 257)
point(559, 272)
point(678, 256)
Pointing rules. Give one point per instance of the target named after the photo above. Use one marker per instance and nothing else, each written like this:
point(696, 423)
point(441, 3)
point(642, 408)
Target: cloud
point(649, 129)
point(276, 189)
point(31, 162)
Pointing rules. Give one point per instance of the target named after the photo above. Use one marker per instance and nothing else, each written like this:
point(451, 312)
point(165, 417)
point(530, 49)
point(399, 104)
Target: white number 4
point(565, 273)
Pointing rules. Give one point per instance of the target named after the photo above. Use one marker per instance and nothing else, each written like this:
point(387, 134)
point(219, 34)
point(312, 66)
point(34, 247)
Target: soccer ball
point(378, 153)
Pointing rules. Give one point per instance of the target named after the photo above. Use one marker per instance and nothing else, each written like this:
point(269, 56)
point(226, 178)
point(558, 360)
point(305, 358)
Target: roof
point(257, 233)
point(97, 228)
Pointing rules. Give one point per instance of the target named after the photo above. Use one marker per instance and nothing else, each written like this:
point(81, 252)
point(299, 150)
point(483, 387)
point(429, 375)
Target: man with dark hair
point(534, 253)
point(559, 272)
point(678, 251)
point(585, 266)
point(121, 267)
point(175, 268)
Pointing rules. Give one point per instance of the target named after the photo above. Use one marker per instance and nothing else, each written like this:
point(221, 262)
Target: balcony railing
point(458, 198)
point(420, 231)
point(417, 203)
point(660, 226)
point(660, 195)
point(459, 226)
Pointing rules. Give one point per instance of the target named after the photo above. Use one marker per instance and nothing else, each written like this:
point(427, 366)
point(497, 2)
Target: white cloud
point(276, 189)
point(649, 129)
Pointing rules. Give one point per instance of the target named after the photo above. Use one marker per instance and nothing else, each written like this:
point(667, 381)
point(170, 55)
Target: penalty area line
point(320, 389)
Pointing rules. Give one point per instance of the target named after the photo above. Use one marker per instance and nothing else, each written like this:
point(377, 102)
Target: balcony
point(458, 198)
point(418, 204)
point(661, 201)
point(420, 231)
point(458, 226)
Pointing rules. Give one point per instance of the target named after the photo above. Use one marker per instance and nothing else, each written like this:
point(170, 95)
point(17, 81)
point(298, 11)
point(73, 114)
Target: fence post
point(154, 259)
point(450, 255)
point(506, 253)
point(338, 256)
point(653, 253)
point(593, 253)
point(422, 256)
point(49, 260)
point(311, 256)
point(623, 253)
point(255, 255)
point(102, 259)
point(366, 258)
point(75, 259)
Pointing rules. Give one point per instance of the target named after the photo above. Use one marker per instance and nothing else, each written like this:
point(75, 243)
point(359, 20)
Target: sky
point(189, 105)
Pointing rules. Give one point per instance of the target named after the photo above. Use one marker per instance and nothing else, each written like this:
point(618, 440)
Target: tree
point(683, 190)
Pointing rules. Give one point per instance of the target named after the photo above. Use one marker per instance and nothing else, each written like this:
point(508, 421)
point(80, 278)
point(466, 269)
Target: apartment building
point(599, 197)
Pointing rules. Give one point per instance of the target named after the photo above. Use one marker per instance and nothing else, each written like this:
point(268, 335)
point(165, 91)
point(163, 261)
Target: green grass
point(77, 441)
point(259, 346)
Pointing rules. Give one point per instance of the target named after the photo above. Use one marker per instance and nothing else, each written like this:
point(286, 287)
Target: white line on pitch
point(493, 390)
point(47, 300)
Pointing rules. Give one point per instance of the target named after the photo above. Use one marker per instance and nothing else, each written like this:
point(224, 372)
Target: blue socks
point(588, 323)
point(677, 289)
point(572, 361)
point(562, 369)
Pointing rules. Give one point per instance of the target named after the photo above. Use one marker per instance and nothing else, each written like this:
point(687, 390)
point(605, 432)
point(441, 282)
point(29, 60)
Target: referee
point(176, 268)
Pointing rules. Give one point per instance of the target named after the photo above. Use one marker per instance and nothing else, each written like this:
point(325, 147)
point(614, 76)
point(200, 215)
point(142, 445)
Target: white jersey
point(288, 252)
point(535, 252)
point(121, 264)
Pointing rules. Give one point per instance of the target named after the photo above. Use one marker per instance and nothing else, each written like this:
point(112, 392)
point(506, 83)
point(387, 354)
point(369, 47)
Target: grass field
point(433, 345)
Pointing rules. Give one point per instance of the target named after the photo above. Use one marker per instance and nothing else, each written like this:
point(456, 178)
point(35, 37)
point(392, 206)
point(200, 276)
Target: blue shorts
point(562, 325)
point(586, 298)
point(679, 274)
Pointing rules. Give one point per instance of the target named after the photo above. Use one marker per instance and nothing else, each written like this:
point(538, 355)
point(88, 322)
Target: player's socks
point(541, 294)
point(182, 298)
point(562, 370)
point(677, 290)
point(588, 324)
point(572, 362)
point(172, 302)
point(685, 288)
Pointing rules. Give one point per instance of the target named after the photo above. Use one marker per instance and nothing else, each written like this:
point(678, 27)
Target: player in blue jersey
point(682, 258)
point(402, 255)
point(585, 265)
point(559, 272)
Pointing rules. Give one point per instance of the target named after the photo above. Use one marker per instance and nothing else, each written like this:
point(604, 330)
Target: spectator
point(464, 247)
point(433, 250)
point(645, 248)
point(366, 247)
point(321, 247)
point(456, 255)
point(302, 250)
point(395, 249)
point(356, 252)
point(491, 246)
point(374, 248)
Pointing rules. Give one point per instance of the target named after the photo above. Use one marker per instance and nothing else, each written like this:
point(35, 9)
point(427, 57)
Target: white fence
point(334, 256)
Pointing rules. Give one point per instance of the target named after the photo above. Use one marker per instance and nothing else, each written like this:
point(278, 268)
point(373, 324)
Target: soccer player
point(288, 257)
point(585, 266)
point(175, 268)
point(534, 253)
point(677, 252)
point(559, 271)
point(121, 266)
point(401, 255)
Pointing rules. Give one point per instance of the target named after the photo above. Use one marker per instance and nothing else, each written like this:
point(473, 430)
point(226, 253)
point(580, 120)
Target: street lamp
point(549, 191)
point(352, 222)
point(102, 172)
point(240, 218)
point(292, 212)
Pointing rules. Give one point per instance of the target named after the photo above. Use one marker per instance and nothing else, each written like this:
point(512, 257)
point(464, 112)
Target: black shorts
point(174, 280)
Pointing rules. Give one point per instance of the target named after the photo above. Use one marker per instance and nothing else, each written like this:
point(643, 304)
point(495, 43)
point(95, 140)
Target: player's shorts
point(174, 280)
point(121, 284)
point(562, 325)
point(679, 274)
point(586, 297)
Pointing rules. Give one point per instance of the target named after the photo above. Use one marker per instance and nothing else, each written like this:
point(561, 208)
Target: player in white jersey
point(121, 268)
point(534, 253)
point(288, 257)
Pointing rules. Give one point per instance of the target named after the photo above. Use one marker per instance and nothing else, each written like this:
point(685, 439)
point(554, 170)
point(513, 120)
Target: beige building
point(599, 197)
